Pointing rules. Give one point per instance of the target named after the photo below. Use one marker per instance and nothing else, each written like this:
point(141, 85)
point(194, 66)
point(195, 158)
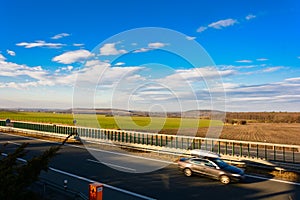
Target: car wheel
point(187, 172)
point(224, 179)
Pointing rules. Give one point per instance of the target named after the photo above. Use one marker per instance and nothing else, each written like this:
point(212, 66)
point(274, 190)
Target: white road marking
point(76, 146)
point(10, 142)
point(121, 154)
point(272, 179)
point(18, 144)
point(105, 185)
point(110, 164)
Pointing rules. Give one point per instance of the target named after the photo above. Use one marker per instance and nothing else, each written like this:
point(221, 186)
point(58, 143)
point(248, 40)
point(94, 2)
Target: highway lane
point(165, 183)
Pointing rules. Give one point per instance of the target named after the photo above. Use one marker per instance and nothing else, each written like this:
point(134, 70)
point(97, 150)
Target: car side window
point(209, 164)
point(203, 162)
point(196, 161)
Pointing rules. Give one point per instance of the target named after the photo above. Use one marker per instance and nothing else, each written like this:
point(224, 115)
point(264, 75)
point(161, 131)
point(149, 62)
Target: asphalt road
point(78, 166)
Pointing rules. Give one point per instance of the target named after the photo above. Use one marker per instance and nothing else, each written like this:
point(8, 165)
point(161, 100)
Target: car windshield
point(220, 162)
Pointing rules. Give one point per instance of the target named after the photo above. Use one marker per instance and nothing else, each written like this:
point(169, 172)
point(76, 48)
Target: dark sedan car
point(212, 167)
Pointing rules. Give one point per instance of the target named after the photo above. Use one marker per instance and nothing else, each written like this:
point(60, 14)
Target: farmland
point(111, 122)
point(284, 133)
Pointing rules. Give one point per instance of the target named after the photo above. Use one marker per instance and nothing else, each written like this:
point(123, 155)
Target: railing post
point(283, 153)
point(241, 149)
point(233, 153)
point(293, 150)
point(219, 147)
point(274, 152)
point(248, 150)
point(134, 137)
point(166, 140)
point(257, 151)
point(147, 139)
point(152, 140)
point(266, 153)
point(226, 146)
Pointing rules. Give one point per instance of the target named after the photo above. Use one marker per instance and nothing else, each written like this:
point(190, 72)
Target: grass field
point(118, 122)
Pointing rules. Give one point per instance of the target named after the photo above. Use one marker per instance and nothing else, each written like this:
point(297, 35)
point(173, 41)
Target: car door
point(211, 169)
point(198, 166)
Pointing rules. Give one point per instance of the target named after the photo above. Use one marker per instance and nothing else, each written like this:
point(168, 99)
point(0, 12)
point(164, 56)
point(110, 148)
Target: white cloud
point(272, 69)
point(93, 63)
point(190, 38)
point(262, 59)
point(141, 50)
point(195, 75)
point(151, 46)
point(223, 23)
point(201, 29)
point(37, 74)
point(119, 64)
point(296, 79)
point(110, 49)
point(269, 96)
point(39, 43)
point(2, 58)
point(250, 16)
point(61, 35)
point(72, 56)
point(78, 44)
point(244, 61)
point(67, 68)
point(10, 52)
point(156, 45)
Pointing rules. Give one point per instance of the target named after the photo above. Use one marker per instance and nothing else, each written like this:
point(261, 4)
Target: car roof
point(204, 153)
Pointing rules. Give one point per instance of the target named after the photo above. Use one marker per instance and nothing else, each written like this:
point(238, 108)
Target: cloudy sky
point(226, 55)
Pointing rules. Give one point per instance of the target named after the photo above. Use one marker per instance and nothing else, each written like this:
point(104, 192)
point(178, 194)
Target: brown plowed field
point(281, 133)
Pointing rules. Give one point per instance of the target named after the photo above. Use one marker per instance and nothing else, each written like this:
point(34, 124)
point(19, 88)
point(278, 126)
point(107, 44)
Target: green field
point(117, 122)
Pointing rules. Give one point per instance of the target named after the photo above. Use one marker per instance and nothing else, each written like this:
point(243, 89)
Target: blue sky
point(249, 59)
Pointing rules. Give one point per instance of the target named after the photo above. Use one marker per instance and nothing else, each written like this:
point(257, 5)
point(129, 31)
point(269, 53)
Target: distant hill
point(120, 112)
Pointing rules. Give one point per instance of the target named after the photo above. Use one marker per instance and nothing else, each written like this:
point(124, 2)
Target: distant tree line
point(263, 117)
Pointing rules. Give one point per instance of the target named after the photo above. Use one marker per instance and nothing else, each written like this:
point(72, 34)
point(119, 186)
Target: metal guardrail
point(65, 192)
point(267, 151)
